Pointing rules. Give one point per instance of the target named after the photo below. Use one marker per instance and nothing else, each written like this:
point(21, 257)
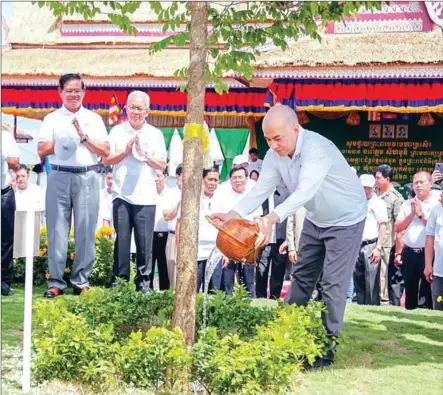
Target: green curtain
point(167, 134)
point(262, 145)
point(181, 132)
point(232, 143)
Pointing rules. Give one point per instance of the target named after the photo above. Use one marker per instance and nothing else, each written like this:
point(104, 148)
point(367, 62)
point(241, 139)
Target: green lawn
point(384, 350)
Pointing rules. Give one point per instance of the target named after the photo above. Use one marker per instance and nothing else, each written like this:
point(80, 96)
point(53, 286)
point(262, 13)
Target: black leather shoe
point(319, 363)
point(322, 362)
point(6, 291)
point(79, 291)
point(52, 293)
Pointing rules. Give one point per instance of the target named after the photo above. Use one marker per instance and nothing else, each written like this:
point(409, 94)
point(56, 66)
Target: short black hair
point(213, 169)
point(179, 170)
point(386, 171)
point(253, 151)
point(237, 168)
point(69, 77)
point(409, 189)
point(22, 167)
point(254, 171)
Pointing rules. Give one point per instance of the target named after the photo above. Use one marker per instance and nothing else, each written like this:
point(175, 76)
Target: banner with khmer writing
point(398, 141)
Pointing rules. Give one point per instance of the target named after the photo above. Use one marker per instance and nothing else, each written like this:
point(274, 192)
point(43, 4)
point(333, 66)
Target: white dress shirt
point(319, 179)
point(32, 197)
point(227, 199)
point(161, 225)
point(434, 228)
point(170, 199)
point(227, 186)
point(207, 233)
point(415, 234)
point(58, 124)
point(377, 214)
point(9, 150)
point(105, 210)
point(257, 165)
point(134, 180)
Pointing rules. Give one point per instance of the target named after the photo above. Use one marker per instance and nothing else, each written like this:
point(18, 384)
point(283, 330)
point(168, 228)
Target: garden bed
point(112, 336)
point(383, 350)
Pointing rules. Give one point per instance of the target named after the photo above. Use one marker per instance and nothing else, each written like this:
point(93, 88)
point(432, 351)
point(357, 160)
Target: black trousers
point(142, 219)
point(270, 256)
point(216, 278)
point(159, 257)
point(396, 283)
point(417, 289)
point(8, 219)
point(246, 277)
point(367, 277)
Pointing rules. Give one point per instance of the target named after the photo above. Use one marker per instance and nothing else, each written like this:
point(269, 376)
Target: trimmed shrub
point(119, 335)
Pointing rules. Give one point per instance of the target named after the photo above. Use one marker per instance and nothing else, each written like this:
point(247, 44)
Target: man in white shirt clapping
point(412, 219)
point(367, 268)
point(133, 189)
point(74, 138)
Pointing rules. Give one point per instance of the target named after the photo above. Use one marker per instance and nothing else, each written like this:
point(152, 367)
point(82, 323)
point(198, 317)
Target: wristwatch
point(84, 139)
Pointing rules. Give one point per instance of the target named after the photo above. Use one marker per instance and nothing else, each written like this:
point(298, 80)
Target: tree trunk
point(186, 283)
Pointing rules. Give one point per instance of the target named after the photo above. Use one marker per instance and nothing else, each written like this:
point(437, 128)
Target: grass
point(384, 350)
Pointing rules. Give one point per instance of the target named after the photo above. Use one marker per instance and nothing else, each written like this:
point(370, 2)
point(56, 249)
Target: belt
point(74, 169)
point(6, 190)
point(415, 250)
point(160, 234)
point(367, 242)
point(172, 232)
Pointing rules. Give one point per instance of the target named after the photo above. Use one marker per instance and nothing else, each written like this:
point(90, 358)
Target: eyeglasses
point(70, 92)
point(136, 109)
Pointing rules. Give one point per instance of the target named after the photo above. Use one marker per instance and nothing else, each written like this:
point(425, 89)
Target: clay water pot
point(236, 240)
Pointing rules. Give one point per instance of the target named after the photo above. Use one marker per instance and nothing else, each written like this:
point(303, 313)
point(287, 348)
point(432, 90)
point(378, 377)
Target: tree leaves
point(240, 30)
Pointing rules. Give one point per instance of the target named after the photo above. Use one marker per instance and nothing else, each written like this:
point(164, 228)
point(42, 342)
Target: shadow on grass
point(411, 315)
point(378, 344)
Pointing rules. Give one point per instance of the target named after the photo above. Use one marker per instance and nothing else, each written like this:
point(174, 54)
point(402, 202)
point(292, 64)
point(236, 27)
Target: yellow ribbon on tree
point(196, 130)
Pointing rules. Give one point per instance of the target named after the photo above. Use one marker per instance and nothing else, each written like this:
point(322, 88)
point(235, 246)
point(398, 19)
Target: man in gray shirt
point(320, 179)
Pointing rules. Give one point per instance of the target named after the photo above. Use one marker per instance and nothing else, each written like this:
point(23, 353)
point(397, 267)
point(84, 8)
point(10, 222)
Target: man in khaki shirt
point(384, 175)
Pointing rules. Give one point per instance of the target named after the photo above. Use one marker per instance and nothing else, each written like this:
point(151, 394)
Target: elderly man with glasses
point(74, 138)
point(137, 151)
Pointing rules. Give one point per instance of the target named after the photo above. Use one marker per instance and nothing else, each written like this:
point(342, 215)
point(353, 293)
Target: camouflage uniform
point(393, 200)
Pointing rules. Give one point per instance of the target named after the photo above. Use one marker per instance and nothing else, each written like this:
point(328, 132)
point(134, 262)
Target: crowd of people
point(339, 236)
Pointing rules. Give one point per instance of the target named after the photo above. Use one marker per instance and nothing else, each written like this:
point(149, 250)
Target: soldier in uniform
point(384, 175)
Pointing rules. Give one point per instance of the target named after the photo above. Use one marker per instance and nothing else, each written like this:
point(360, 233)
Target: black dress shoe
point(6, 291)
point(79, 291)
point(322, 362)
point(319, 363)
point(52, 293)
